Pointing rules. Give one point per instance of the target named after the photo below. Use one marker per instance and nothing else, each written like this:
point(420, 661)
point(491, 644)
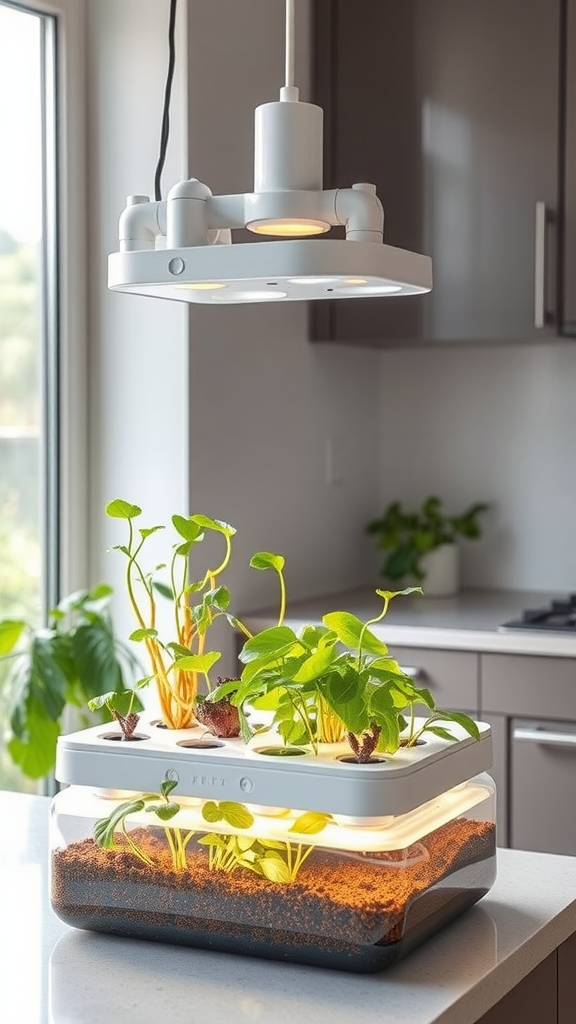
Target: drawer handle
point(419, 675)
point(540, 266)
point(558, 739)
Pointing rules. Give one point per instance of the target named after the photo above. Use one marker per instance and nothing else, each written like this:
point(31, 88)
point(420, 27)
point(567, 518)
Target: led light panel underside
point(282, 271)
point(396, 833)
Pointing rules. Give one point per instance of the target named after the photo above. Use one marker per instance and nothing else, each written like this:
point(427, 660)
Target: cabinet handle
point(540, 266)
point(558, 739)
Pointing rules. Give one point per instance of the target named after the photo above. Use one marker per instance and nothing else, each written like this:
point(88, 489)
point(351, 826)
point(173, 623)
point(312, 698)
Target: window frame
point(65, 377)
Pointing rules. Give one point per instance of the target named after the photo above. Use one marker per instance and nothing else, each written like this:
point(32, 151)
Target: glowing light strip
point(80, 802)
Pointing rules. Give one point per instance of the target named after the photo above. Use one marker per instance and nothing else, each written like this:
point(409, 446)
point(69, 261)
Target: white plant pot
point(441, 567)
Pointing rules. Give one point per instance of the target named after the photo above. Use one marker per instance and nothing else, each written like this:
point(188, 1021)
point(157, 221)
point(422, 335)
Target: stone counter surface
point(52, 974)
point(468, 621)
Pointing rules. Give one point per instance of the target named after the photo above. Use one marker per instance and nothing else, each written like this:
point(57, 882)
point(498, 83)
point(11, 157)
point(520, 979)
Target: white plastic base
point(234, 771)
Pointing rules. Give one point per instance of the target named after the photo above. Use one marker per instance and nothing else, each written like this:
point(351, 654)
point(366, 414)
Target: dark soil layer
point(346, 911)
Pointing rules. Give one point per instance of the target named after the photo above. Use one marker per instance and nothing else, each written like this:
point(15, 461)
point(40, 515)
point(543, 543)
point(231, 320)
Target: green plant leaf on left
point(34, 754)
point(10, 632)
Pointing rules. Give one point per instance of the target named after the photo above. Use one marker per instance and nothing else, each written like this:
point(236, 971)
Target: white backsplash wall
point(495, 424)
point(138, 346)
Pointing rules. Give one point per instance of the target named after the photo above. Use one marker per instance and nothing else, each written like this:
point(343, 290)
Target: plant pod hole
point(125, 739)
point(280, 751)
point(199, 744)
point(350, 759)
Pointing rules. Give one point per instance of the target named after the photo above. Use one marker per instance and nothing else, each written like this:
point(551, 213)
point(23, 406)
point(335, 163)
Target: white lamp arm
point(359, 209)
point(141, 222)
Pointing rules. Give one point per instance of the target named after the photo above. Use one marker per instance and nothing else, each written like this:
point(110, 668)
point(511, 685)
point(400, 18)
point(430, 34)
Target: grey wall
point(495, 424)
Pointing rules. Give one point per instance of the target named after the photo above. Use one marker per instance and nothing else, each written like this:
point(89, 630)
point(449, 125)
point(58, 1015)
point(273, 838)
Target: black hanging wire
point(165, 132)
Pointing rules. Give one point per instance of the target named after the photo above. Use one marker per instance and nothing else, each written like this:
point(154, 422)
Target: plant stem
point(135, 849)
point(371, 622)
point(282, 612)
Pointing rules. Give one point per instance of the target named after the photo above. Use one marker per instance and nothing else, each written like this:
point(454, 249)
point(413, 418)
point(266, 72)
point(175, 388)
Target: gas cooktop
point(559, 616)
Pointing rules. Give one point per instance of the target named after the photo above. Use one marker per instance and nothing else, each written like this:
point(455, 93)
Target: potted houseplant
point(49, 669)
point(423, 544)
point(329, 833)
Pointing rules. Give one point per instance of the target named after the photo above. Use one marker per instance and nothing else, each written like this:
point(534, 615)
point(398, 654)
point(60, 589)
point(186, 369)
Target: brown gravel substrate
point(342, 904)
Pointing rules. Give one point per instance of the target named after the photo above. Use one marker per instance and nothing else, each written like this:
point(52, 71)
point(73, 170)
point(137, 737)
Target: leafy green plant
point(123, 705)
point(407, 536)
point(273, 859)
point(105, 829)
point(75, 658)
point(345, 667)
point(175, 665)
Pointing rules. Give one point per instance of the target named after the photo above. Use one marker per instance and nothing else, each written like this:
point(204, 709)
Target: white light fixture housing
point(181, 248)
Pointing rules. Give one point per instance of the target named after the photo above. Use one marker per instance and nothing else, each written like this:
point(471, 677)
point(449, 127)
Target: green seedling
point(105, 829)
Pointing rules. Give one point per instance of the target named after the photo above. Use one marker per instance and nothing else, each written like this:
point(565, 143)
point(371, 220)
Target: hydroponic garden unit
point(256, 848)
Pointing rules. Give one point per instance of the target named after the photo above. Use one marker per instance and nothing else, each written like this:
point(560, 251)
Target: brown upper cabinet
point(463, 113)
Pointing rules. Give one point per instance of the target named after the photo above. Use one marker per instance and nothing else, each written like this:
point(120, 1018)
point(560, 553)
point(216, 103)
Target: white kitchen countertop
point(467, 622)
point(53, 974)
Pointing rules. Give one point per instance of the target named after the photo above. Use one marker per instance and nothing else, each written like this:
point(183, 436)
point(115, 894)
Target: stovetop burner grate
point(559, 616)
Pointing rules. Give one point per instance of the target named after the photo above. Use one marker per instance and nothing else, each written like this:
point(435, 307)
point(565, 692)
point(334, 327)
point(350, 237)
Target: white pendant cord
point(289, 75)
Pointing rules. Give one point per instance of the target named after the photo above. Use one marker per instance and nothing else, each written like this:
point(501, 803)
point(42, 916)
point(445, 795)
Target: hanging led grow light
point(181, 248)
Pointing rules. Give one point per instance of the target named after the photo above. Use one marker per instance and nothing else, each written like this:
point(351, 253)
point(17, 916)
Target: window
point(34, 320)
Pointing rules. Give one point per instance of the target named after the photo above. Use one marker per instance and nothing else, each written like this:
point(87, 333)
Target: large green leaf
point(348, 629)
point(344, 692)
point(214, 524)
point(316, 665)
point(270, 644)
point(10, 632)
point(35, 753)
point(120, 509)
point(188, 528)
point(40, 681)
point(198, 662)
point(96, 658)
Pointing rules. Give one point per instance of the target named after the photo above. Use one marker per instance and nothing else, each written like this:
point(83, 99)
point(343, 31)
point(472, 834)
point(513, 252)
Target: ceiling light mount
point(175, 248)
